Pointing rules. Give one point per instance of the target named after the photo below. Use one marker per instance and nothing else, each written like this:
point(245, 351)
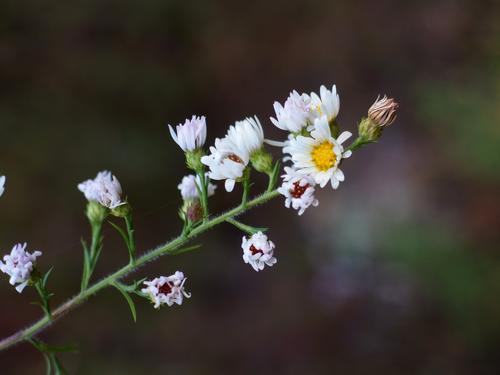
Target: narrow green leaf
point(244, 227)
point(129, 300)
point(122, 234)
point(184, 250)
point(273, 177)
point(46, 277)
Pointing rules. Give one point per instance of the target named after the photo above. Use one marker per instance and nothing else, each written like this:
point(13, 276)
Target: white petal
point(344, 136)
point(229, 185)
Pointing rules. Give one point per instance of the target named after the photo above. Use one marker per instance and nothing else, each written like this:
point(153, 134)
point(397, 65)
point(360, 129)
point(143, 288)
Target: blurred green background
point(397, 272)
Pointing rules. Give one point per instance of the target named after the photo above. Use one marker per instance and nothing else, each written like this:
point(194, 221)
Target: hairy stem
point(165, 249)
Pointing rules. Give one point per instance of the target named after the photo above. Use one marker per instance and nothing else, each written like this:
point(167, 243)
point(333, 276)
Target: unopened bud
point(383, 111)
point(122, 210)
point(262, 161)
point(96, 213)
point(191, 210)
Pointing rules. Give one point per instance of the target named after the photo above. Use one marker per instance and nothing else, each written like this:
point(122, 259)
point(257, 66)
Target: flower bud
point(262, 161)
point(96, 213)
point(383, 111)
point(122, 210)
point(191, 210)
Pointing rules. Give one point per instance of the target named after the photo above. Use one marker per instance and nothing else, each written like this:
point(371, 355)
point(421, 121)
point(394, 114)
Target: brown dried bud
point(383, 111)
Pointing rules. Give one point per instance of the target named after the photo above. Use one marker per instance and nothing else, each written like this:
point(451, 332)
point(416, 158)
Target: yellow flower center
point(323, 156)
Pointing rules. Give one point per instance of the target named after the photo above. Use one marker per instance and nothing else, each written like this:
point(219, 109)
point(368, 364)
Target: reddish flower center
point(235, 158)
point(254, 250)
point(165, 289)
point(298, 190)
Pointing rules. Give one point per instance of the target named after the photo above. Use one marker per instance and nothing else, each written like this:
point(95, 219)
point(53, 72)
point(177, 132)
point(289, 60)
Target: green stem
point(358, 143)
point(42, 292)
point(246, 187)
point(244, 227)
point(95, 250)
point(131, 237)
point(203, 193)
point(165, 249)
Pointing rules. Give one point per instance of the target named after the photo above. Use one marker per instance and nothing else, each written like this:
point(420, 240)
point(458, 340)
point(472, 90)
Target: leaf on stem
point(273, 177)
point(127, 297)
point(184, 249)
point(53, 365)
point(244, 227)
point(122, 233)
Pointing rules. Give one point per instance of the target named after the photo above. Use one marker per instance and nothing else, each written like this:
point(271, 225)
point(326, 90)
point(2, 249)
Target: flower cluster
point(104, 189)
point(230, 155)
point(166, 290)
point(301, 110)
point(190, 135)
point(258, 251)
point(19, 265)
point(313, 146)
point(298, 190)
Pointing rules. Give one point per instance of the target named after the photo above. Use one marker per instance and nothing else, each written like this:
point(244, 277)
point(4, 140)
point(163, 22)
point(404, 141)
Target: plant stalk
point(165, 249)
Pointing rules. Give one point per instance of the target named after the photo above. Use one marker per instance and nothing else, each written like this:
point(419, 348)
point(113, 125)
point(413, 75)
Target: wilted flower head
point(190, 135)
point(2, 185)
point(104, 189)
point(188, 189)
point(383, 111)
point(294, 114)
point(258, 251)
point(298, 190)
point(166, 290)
point(19, 265)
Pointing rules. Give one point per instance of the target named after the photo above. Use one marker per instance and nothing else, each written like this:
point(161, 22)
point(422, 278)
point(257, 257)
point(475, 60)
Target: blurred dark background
point(397, 272)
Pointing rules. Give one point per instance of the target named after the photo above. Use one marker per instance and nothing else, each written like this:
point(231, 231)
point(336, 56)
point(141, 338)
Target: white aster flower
point(230, 155)
point(298, 190)
point(19, 265)
point(294, 114)
point(104, 189)
point(188, 189)
point(327, 104)
point(247, 135)
point(166, 290)
point(319, 155)
point(258, 251)
point(190, 135)
point(2, 185)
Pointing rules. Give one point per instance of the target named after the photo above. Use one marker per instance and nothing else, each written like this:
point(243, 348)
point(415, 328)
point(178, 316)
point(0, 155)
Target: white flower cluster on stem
point(104, 189)
point(166, 290)
point(230, 155)
point(314, 147)
point(18, 265)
